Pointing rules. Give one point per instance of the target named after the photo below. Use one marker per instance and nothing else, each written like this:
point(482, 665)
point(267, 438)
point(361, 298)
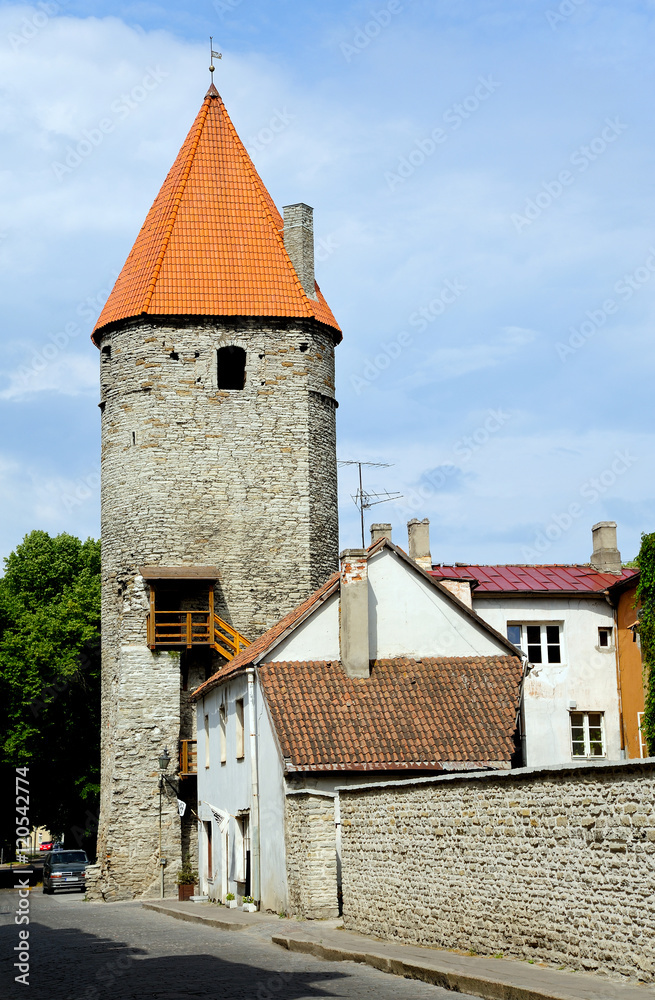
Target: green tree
point(50, 682)
point(646, 595)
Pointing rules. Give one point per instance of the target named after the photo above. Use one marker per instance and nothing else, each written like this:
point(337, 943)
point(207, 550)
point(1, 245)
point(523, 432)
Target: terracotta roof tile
point(409, 714)
point(212, 243)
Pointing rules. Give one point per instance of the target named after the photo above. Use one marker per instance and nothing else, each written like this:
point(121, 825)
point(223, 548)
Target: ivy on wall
point(646, 595)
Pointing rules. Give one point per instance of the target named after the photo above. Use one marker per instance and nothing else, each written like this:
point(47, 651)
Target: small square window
point(605, 637)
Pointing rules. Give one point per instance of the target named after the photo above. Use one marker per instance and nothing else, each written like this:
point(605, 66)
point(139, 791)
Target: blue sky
point(482, 181)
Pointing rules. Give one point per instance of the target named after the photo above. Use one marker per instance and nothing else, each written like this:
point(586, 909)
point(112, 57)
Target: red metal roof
point(527, 579)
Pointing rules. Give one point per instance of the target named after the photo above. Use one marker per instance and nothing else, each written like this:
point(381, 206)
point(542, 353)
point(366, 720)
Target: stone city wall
point(556, 865)
point(311, 856)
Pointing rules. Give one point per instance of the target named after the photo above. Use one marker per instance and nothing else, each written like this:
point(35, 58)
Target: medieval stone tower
point(219, 495)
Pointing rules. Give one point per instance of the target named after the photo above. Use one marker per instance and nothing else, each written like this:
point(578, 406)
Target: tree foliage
point(646, 595)
point(50, 681)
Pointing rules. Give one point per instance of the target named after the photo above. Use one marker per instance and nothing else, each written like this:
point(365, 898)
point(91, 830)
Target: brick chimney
point(299, 243)
point(353, 626)
point(606, 558)
point(380, 531)
point(418, 534)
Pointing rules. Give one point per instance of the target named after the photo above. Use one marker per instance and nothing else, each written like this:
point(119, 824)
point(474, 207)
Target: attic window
point(231, 367)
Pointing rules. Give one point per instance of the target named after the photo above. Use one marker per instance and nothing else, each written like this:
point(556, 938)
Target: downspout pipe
point(254, 787)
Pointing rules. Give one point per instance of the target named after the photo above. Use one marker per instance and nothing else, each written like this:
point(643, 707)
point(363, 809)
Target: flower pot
point(185, 891)
point(232, 903)
point(249, 907)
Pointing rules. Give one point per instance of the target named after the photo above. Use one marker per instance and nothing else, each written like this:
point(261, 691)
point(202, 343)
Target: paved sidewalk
point(495, 979)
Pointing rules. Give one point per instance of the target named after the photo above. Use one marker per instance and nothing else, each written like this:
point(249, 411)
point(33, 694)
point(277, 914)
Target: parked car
point(64, 870)
point(47, 845)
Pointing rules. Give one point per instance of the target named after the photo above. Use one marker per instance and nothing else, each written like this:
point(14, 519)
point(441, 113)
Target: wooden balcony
point(188, 758)
point(185, 629)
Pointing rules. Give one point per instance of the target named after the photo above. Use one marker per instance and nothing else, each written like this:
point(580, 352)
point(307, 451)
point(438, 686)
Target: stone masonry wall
point(555, 866)
point(311, 856)
point(195, 475)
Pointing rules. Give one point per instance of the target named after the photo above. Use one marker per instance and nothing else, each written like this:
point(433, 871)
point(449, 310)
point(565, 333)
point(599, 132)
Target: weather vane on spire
point(213, 55)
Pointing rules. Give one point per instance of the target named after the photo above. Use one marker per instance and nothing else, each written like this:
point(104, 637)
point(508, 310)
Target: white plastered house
point(382, 672)
point(564, 619)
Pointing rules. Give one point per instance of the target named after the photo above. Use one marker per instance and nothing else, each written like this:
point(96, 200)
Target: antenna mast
point(363, 499)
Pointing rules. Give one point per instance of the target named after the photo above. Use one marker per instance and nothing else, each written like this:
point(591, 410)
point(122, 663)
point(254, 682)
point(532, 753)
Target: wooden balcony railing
point(168, 629)
point(188, 758)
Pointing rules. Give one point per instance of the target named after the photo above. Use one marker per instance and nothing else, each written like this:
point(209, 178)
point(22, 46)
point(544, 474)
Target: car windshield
point(68, 857)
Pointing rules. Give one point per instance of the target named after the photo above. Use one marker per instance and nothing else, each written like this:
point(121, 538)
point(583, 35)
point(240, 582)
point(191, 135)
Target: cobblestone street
point(97, 951)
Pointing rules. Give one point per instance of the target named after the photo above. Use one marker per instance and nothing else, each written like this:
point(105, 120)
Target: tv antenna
point(363, 499)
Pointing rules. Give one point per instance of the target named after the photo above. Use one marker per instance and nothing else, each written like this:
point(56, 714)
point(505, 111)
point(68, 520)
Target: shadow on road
point(70, 964)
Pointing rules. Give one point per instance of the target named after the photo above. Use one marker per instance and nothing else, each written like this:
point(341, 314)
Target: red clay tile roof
point(212, 242)
point(528, 579)
point(409, 714)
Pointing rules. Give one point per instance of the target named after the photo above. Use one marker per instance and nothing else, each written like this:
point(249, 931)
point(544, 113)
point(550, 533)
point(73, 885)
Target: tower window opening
point(231, 367)
point(106, 351)
point(133, 437)
point(303, 348)
point(174, 355)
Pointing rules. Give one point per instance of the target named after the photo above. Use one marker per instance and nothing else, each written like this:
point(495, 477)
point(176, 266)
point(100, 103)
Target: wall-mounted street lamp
point(164, 761)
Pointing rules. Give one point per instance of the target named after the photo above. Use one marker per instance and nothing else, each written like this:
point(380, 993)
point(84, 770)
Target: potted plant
point(249, 904)
point(230, 900)
point(187, 879)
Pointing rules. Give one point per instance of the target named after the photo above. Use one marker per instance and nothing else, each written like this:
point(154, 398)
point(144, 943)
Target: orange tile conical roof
point(212, 243)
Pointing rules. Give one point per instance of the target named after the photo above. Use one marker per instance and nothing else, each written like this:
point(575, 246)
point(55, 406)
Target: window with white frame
point(605, 638)
point(587, 734)
point(542, 643)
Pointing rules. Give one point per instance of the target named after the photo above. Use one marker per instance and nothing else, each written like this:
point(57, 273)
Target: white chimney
point(299, 243)
point(418, 534)
point(606, 558)
point(353, 626)
point(380, 531)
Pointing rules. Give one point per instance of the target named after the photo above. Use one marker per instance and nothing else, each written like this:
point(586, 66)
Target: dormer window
point(231, 367)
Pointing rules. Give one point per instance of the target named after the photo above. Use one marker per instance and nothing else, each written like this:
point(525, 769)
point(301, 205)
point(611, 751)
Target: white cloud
point(70, 375)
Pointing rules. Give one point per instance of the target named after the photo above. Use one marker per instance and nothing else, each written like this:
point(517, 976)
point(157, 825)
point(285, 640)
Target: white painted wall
point(410, 617)
point(586, 676)
point(228, 786)
point(317, 638)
